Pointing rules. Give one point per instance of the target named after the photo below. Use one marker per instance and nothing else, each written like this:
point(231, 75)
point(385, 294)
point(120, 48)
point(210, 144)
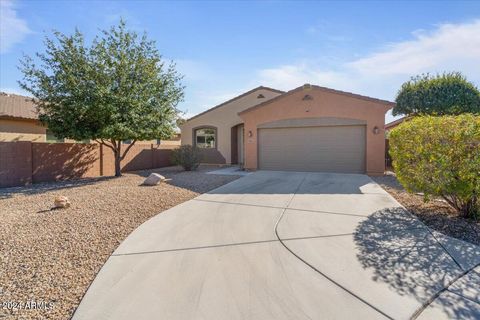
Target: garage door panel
point(328, 148)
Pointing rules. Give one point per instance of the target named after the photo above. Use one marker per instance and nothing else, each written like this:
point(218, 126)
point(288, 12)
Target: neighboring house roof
point(236, 98)
point(353, 95)
point(16, 106)
point(394, 123)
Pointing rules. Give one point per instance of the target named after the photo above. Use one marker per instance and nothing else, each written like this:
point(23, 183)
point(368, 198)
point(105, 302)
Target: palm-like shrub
point(440, 156)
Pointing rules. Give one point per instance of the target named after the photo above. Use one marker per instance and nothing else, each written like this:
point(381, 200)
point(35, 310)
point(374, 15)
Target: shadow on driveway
point(411, 260)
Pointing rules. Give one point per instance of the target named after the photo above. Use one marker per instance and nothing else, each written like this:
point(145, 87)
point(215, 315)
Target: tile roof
point(395, 123)
point(309, 86)
point(16, 106)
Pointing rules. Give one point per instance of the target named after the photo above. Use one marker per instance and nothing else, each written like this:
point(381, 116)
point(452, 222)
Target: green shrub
point(444, 94)
point(440, 156)
point(187, 156)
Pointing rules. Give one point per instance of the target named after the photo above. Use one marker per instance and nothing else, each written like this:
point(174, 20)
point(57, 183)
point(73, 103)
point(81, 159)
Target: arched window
point(206, 137)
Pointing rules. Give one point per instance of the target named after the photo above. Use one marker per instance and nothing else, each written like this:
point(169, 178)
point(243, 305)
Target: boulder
point(61, 202)
point(154, 179)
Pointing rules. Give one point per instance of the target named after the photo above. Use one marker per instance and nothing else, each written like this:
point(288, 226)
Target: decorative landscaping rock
point(105, 213)
point(61, 202)
point(153, 179)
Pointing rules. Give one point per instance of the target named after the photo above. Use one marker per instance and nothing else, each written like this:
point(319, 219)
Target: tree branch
point(128, 148)
point(450, 202)
point(101, 141)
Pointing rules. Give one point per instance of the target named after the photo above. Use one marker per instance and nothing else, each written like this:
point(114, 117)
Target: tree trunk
point(118, 173)
point(116, 146)
point(118, 158)
point(471, 209)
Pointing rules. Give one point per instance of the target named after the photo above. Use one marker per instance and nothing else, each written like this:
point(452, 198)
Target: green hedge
point(440, 156)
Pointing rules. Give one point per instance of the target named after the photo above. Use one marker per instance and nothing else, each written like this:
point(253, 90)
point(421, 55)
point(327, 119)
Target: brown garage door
point(326, 148)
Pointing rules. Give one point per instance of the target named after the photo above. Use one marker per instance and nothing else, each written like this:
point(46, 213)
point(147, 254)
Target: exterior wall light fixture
point(250, 134)
point(376, 130)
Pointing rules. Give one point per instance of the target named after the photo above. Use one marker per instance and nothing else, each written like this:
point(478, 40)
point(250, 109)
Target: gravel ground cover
point(52, 256)
point(436, 214)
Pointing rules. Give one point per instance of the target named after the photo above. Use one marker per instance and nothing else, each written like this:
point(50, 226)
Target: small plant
point(187, 156)
point(440, 156)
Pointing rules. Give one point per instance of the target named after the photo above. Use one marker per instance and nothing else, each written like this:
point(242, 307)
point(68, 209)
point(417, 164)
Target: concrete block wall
point(15, 163)
point(25, 162)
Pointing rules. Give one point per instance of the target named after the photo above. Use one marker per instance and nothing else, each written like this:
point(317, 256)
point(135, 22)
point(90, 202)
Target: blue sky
point(226, 48)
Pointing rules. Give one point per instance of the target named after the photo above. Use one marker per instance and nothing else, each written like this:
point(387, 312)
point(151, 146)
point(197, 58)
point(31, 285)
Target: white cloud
point(450, 47)
point(12, 28)
point(290, 76)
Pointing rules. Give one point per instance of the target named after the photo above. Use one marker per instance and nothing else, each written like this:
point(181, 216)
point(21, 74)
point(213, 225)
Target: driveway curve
point(287, 245)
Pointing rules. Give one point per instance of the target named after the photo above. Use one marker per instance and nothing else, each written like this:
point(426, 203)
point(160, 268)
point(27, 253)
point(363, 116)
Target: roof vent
point(260, 96)
point(307, 97)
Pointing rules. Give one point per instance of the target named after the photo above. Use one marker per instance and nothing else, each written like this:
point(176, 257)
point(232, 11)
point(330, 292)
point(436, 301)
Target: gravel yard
point(52, 256)
point(436, 214)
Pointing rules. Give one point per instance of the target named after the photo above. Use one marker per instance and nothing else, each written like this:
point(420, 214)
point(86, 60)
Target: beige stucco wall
point(324, 104)
point(224, 118)
point(21, 130)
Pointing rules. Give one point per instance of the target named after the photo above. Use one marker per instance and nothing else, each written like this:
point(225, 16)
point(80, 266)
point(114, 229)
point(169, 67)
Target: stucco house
point(19, 122)
point(310, 128)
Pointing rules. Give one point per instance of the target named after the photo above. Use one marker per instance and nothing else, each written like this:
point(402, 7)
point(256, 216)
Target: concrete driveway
point(287, 245)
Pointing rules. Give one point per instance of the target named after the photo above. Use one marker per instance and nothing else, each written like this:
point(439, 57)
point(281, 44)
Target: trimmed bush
point(440, 156)
point(445, 94)
point(187, 156)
